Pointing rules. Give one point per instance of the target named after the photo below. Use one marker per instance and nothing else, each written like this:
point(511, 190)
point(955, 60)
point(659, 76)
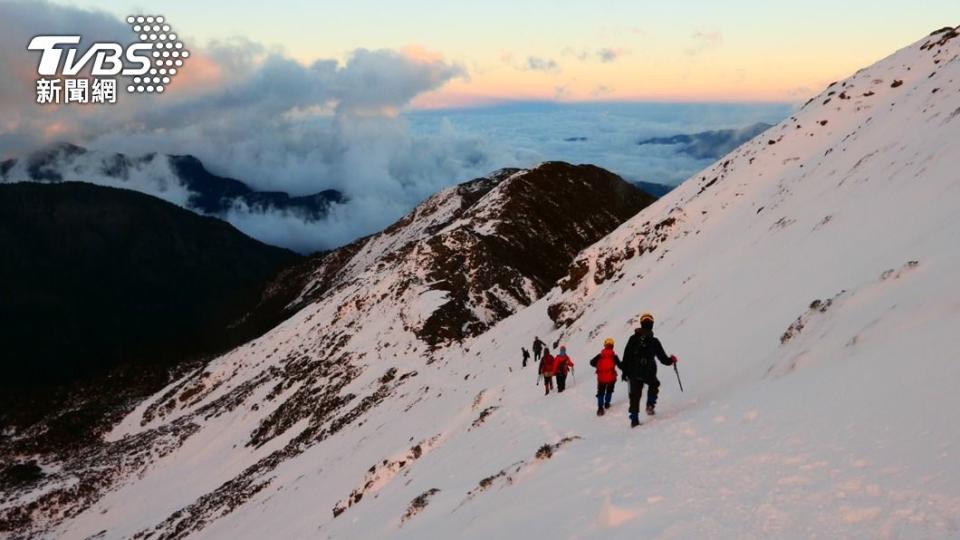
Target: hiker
point(563, 365)
point(537, 348)
point(639, 366)
point(526, 356)
point(547, 370)
point(606, 363)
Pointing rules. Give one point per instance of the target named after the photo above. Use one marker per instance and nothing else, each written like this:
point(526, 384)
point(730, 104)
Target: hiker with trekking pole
point(639, 366)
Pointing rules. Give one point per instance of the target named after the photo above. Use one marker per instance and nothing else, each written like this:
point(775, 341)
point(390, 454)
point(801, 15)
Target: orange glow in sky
point(583, 50)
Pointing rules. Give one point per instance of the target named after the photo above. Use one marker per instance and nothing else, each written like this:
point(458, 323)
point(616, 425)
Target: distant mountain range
point(710, 144)
point(653, 188)
point(181, 179)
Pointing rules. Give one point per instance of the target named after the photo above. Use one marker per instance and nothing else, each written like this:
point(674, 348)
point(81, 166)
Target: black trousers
point(547, 384)
point(536, 354)
point(636, 391)
point(561, 381)
point(604, 393)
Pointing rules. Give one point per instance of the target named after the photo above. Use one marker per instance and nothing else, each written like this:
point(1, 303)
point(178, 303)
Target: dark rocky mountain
point(460, 262)
point(96, 278)
point(216, 194)
point(208, 193)
point(487, 246)
point(709, 144)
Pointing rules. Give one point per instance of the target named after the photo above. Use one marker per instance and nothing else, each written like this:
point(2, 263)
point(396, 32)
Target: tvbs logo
point(149, 64)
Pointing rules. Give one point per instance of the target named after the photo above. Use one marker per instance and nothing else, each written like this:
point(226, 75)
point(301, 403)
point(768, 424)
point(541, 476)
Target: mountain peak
point(478, 251)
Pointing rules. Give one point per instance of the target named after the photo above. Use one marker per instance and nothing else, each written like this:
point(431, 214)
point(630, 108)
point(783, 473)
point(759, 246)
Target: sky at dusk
point(575, 50)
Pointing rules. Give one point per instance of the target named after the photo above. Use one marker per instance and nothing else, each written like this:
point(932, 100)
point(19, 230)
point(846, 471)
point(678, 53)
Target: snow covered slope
point(369, 316)
point(808, 282)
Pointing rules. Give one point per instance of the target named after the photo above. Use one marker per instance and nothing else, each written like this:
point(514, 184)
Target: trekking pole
point(675, 370)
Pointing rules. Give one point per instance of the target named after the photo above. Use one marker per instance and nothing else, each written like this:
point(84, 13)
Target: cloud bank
point(604, 134)
point(253, 113)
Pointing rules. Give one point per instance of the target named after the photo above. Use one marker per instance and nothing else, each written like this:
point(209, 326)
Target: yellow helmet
point(646, 317)
point(608, 342)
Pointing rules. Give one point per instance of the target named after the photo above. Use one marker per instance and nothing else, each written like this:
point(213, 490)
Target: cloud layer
point(255, 114)
point(605, 134)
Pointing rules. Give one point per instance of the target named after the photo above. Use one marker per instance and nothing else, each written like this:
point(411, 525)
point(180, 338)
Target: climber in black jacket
point(639, 366)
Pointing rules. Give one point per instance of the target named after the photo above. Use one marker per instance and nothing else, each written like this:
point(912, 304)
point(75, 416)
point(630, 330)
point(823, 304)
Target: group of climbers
point(638, 367)
point(550, 367)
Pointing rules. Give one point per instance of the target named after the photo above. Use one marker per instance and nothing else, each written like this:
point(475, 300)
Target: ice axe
point(675, 370)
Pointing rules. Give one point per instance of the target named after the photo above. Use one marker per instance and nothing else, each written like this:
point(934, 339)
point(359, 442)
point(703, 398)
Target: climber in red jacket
point(548, 368)
point(606, 363)
point(563, 366)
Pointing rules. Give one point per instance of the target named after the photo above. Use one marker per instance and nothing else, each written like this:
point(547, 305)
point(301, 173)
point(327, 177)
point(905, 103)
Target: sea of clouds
point(255, 114)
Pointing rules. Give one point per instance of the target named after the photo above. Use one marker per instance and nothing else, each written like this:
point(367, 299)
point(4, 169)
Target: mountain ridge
point(196, 188)
point(405, 283)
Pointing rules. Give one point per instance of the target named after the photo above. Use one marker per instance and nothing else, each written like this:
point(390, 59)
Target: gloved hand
point(623, 377)
point(675, 359)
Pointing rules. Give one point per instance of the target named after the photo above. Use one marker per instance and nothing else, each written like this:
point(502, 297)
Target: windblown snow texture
point(805, 281)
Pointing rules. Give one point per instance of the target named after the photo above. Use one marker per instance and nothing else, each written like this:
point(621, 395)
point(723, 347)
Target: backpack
point(607, 366)
point(548, 365)
point(560, 364)
point(647, 361)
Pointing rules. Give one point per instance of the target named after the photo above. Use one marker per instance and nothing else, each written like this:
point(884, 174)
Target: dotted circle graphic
point(167, 52)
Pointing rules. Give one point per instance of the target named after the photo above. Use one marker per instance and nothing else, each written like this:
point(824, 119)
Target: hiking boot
point(606, 405)
point(600, 412)
point(650, 411)
point(634, 421)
